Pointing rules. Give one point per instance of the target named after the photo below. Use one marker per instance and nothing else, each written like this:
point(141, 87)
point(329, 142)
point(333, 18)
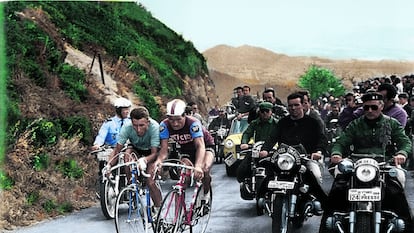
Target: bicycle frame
point(180, 186)
point(141, 191)
point(184, 210)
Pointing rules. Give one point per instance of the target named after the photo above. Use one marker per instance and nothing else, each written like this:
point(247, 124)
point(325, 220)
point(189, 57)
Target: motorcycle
point(368, 177)
point(250, 185)
point(109, 187)
point(283, 193)
point(219, 135)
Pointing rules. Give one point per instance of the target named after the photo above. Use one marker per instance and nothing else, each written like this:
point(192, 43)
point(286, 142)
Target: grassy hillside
point(53, 108)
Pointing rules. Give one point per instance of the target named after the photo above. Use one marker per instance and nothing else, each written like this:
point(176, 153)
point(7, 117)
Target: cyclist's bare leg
point(128, 157)
point(187, 162)
point(208, 162)
point(155, 192)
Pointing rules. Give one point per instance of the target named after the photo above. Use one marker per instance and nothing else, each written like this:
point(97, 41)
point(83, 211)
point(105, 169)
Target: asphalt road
point(230, 213)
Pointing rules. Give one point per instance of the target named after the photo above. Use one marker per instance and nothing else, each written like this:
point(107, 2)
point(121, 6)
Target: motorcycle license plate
point(373, 194)
point(274, 184)
point(230, 160)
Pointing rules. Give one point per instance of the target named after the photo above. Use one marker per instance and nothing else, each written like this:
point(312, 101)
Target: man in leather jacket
point(300, 129)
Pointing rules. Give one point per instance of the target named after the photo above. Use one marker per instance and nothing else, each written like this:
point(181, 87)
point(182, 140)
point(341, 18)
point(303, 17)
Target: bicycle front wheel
point(170, 215)
point(201, 211)
point(129, 212)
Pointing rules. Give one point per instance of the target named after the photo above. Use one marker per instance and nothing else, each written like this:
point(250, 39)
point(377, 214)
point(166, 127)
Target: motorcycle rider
point(112, 126)
point(258, 129)
point(220, 120)
point(144, 140)
point(298, 128)
point(373, 133)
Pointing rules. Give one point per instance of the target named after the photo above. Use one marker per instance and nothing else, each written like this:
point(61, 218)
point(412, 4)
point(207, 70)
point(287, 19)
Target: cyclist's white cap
point(176, 107)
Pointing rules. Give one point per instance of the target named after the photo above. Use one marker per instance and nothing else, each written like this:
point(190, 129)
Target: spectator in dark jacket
point(346, 114)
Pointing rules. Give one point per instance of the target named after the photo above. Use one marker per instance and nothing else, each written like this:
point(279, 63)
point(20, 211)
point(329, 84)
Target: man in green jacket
point(258, 130)
point(373, 133)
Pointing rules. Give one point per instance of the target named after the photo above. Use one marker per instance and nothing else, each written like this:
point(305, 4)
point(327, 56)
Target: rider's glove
point(142, 163)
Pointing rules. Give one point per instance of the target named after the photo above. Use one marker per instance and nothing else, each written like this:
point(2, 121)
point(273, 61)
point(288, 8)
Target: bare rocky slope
point(257, 67)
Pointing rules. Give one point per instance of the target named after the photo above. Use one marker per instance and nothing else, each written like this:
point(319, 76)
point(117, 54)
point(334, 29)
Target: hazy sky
point(366, 29)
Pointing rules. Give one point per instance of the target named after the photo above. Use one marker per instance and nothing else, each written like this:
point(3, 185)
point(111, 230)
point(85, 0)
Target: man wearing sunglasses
point(373, 133)
point(258, 129)
point(389, 107)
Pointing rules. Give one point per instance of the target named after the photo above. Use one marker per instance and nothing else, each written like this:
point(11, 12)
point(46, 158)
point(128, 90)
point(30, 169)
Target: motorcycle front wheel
point(108, 196)
point(363, 223)
point(280, 216)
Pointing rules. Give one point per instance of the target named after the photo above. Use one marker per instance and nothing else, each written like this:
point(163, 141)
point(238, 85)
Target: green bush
point(49, 206)
point(73, 80)
point(149, 101)
point(41, 161)
point(70, 168)
point(6, 182)
point(77, 126)
point(65, 207)
point(32, 198)
point(45, 132)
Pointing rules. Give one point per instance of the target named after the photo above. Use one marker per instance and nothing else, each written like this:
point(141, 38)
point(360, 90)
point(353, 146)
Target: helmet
point(122, 103)
point(176, 107)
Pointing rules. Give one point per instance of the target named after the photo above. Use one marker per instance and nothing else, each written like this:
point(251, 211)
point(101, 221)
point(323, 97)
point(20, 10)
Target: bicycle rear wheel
point(129, 212)
point(201, 211)
point(170, 214)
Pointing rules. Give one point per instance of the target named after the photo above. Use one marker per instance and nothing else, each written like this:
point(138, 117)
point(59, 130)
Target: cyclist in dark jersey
point(194, 139)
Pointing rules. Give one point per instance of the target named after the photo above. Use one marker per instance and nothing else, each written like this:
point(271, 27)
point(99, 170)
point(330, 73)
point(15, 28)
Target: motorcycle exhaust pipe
point(352, 220)
point(377, 222)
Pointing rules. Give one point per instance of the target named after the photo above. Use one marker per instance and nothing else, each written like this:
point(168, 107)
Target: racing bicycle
point(177, 214)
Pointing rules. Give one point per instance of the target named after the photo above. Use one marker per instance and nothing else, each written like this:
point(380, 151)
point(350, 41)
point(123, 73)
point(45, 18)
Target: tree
point(318, 81)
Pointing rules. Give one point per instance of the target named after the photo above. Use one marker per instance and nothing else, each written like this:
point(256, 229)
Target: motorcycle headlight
point(366, 169)
point(229, 144)
point(285, 161)
point(366, 173)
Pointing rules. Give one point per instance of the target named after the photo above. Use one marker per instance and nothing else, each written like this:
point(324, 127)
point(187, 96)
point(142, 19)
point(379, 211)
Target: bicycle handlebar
point(127, 164)
point(169, 164)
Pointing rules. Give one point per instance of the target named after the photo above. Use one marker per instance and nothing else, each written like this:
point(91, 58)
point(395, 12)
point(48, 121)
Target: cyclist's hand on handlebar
point(399, 159)
point(94, 147)
point(244, 146)
point(107, 170)
point(336, 158)
point(198, 173)
point(142, 163)
point(263, 154)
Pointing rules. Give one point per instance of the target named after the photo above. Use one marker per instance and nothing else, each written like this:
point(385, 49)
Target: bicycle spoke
point(129, 212)
point(170, 214)
point(201, 211)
